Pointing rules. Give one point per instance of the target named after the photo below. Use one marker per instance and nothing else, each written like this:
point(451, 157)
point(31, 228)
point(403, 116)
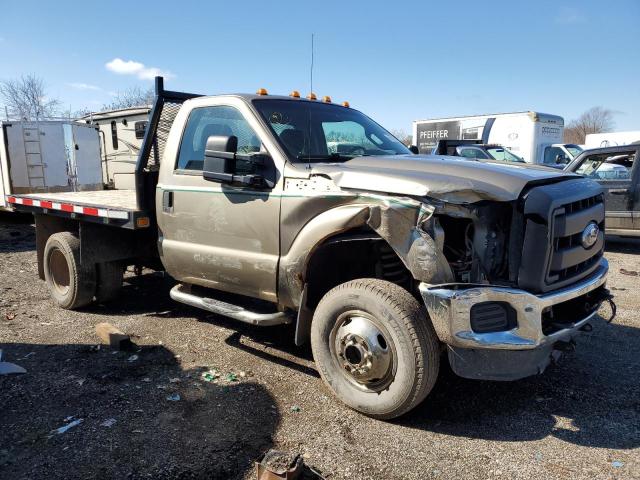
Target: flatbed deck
point(116, 207)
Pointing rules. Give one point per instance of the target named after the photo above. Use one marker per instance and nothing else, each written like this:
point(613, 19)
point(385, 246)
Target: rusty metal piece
point(279, 465)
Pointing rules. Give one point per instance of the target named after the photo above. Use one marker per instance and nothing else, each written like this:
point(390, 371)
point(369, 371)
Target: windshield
point(503, 154)
point(574, 150)
point(310, 131)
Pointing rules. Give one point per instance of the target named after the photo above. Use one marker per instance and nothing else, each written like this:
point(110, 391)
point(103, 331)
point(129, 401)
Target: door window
point(472, 153)
point(206, 121)
point(607, 166)
point(551, 156)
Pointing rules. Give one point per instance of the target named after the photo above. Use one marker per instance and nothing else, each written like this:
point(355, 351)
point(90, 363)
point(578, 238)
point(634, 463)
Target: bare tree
point(25, 98)
point(594, 120)
point(403, 136)
point(132, 97)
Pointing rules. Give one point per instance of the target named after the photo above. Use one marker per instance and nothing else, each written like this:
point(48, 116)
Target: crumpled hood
point(447, 178)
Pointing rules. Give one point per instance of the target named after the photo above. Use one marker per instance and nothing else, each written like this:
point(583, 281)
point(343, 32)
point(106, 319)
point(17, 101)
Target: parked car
point(475, 150)
point(616, 170)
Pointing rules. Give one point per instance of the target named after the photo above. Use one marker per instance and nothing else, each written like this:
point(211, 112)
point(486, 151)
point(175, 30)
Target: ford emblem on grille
point(590, 235)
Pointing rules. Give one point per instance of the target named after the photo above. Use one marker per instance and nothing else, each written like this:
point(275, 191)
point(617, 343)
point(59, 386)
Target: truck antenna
point(309, 120)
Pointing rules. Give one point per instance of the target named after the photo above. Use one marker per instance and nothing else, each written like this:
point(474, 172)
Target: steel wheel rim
point(363, 350)
point(59, 272)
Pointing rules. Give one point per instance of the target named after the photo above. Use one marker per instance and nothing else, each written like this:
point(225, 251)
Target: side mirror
point(221, 162)
point(414, 150)
point(561, 159)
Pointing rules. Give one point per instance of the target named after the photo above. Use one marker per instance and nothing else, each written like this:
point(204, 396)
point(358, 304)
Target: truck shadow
point(622, 245)
point(211, 431)
point(592, 398)
point(16, 233)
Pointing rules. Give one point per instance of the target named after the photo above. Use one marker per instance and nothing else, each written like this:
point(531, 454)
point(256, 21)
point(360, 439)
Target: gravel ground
point(149, 413)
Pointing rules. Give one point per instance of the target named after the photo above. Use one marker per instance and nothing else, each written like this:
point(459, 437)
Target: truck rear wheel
point(109, 280)
point(71, 284)
point(375, 347)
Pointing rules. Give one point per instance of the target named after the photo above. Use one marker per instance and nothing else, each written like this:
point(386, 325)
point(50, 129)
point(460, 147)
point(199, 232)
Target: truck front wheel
point(375, 347)
point(71, 284)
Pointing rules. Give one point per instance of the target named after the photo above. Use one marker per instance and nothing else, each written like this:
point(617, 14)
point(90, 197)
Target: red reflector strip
point(70, 208)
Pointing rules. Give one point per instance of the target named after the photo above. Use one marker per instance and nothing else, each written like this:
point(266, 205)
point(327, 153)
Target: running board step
point(181, 294)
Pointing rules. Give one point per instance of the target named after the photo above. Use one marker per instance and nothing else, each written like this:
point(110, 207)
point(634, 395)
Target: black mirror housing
point(221, 162)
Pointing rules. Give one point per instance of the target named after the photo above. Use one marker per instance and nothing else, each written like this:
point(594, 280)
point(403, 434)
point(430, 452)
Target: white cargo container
point(530, 135)
point(48, 156)
point(121, 133)
point(611, 139)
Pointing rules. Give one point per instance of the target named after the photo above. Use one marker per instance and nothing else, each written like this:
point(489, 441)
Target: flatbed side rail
point(165, 108)
point(123, 218)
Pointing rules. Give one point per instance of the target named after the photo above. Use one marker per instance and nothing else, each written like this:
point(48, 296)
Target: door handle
point(167, 201)
point(618, 191)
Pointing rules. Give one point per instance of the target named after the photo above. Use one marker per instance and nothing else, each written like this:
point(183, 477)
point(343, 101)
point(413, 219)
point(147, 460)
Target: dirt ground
point(150, 414)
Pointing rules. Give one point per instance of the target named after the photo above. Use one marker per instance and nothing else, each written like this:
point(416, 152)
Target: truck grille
point(555, 219)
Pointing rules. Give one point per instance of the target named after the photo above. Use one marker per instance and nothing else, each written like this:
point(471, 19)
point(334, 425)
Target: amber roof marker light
point(295, 94)
point(312, 96)
point(326, 99)
point(262, 91)
point(345, 104)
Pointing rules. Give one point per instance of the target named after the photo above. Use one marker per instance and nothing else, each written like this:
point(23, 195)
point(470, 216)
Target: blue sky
point(396, 61)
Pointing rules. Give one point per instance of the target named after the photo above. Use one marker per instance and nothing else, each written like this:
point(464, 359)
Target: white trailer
point(48, 156)
point(611, 139)
point(530, 135)
point(121, 133)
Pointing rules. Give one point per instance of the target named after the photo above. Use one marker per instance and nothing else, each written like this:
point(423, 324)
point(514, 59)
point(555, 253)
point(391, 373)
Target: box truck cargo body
point(530, 135)
point(611, 139)
point(121, 133)
point(48, 156)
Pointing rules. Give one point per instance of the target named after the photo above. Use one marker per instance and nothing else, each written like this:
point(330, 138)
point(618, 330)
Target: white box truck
point(611, 139)
point(48, 156)
point(533, 136)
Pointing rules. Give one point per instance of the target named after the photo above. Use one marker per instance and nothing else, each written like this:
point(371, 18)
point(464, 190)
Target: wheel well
point(360, 253)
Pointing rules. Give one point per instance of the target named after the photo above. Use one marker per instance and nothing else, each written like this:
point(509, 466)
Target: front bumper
point(523, 350)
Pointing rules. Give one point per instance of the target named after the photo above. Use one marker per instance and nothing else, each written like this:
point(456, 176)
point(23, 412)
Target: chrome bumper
point(449, 308)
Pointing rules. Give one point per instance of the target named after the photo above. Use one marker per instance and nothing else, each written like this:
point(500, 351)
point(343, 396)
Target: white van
point(48, 156)
point(121, 133)
point(533, 136)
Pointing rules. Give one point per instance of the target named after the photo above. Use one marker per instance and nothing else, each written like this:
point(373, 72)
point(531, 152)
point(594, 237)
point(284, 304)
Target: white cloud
point(569, 16)
point(83, 86)
point(140, 70)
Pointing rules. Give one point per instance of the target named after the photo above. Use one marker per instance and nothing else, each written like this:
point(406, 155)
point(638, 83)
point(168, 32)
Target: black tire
point(109, 280)
point(411, 337)
point(71, 285)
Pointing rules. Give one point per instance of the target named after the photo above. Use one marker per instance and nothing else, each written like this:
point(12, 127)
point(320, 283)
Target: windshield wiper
point(323, 158)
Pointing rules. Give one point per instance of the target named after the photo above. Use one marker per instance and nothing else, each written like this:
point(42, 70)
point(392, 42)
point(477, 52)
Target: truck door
point(86, 155)
point(218, 235)
point(617, 172)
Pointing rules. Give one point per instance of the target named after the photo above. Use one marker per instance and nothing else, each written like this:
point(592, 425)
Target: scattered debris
point(109, 422)
point(295, 408)
point(9, 316)
point(211, 375)
point(113, 337)
point(158, 314)
point(617, 464)
point(7, 368)
point(624, 271)
point(27, 355)
point(64, 428)
point(146, 379)
point(132, 358)
point(174, 397)
point(174, 380)
point(276, 465)
point(617, 288)
point(231, 377)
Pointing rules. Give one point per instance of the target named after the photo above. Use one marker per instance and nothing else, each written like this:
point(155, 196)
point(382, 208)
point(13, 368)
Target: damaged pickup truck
point(274, 210)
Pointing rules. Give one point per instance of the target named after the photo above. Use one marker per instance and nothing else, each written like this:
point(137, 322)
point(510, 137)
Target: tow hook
point(565, 347)
point(608, 297)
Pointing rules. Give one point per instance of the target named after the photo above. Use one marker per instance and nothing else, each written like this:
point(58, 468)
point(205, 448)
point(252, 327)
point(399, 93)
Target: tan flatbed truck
point(274, 209)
